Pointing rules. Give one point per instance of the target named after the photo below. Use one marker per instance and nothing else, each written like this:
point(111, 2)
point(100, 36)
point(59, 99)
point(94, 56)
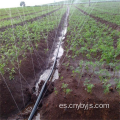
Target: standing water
point(58, 51)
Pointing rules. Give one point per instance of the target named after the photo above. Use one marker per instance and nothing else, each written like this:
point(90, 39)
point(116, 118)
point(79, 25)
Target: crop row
point(19, 41)
point(96, 48)
point(108, 5)
point(24, 11)
point(5, 11)
point(103, 14)
point(23, 18)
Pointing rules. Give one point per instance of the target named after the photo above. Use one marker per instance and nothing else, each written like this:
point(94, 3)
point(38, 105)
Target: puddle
point(59, 52)
point(37, 117)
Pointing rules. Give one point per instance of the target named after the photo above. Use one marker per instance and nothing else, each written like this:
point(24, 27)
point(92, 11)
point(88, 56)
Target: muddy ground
point(51, 110)
point(29, 74)
point(51, 105)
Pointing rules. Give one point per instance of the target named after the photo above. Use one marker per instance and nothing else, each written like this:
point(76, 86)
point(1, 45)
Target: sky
point(16, 3)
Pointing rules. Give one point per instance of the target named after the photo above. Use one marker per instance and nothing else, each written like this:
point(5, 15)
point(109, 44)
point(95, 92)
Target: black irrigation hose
point(43, 87)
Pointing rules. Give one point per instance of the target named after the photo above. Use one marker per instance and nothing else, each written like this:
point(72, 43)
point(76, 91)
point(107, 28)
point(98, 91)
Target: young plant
point(11, 76)
point(55, 90)
point(118, 87)
point(87, 66)
point(88, 85)
point(65, 89)
point(61, 77)
point(106, 86)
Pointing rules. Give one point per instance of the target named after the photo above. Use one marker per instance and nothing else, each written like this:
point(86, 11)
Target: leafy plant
point(11, 76)
point(88, 85)
point(65, 89)
point(118, 87)
point(106, 88)
point(55, 90)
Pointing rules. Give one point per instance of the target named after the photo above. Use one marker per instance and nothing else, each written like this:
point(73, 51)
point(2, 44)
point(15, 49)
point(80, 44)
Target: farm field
point(111, 15)
point(88, 69)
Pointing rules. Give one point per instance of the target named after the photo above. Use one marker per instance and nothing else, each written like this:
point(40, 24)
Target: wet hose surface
point(43, 87)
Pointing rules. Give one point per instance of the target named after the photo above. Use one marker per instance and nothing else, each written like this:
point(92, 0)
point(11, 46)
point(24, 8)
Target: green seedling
point(61, 77)
point(55, 90)
point(11, 76)
point(88, 86)
point(65, 89)
point(118, 87)
point(106, 88)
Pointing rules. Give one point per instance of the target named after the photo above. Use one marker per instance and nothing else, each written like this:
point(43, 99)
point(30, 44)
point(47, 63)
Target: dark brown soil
point(51, 110)
point(30, 75)
point(50, 107)
point(30, 20)
point(30, 72)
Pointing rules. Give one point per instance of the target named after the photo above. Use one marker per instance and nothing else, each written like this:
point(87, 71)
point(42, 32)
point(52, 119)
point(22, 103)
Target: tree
point(22, 3)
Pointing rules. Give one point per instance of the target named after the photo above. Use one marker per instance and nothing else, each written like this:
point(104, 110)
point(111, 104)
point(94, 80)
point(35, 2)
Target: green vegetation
point(24, 39)
point(65, 88)
point(95, 45)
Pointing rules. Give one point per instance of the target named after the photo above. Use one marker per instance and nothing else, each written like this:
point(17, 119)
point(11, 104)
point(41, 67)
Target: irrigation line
point(47, 33)
point(8, 86)
point(40, 95)
point(54, 40)
point(43, 87)
point(54, 37)
point(34, 50)
point(49, 83)
point(31, 44)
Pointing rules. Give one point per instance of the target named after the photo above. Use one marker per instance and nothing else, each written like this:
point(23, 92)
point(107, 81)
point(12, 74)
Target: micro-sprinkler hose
point(43, 87)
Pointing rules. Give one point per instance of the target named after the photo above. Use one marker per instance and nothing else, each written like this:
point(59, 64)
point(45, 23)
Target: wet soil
point(51, 110)
point(30, 71)
point(23, 84)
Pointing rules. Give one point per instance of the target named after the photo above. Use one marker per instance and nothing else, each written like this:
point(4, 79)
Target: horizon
point(16, 3)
